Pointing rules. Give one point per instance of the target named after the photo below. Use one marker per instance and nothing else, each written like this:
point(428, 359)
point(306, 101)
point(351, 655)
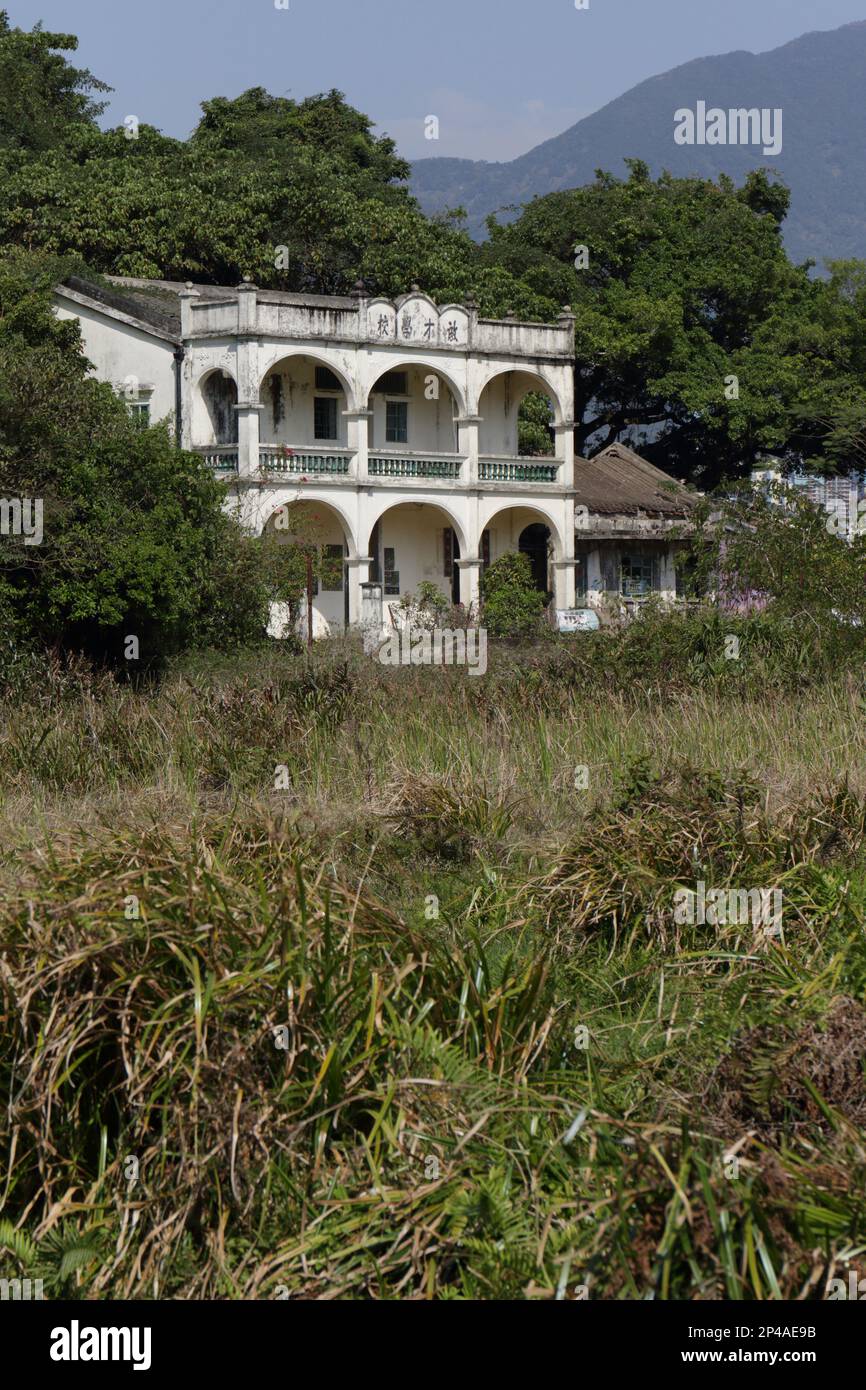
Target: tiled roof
point(168, 292)
point(153, 306)
point(157, 302)
point(618, 481)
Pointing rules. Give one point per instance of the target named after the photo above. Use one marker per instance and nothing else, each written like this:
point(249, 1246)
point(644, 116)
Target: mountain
point(818, 81)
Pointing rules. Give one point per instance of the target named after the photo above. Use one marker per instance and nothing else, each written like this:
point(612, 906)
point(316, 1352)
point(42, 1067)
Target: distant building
point(840, 497)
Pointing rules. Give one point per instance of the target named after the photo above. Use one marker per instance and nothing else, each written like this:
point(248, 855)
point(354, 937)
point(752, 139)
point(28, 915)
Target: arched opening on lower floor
point(321, 546)
point(534, 542)
point(532, 531)
point(415, 543)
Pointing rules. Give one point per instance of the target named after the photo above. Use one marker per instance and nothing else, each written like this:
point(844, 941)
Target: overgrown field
point(325, 980)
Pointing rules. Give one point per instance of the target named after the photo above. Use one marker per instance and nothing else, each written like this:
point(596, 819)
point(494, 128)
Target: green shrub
point(512, 607)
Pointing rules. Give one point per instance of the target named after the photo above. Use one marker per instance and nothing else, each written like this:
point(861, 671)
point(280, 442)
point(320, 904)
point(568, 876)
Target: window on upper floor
point(325, 417)
point(136, 398)
point(396, 422)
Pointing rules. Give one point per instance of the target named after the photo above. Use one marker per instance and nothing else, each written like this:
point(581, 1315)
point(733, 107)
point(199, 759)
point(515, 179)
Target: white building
point(841, 497)
point(392, 427)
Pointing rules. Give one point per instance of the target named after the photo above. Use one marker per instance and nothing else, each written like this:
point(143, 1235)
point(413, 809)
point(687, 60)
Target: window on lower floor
point(392, 575)
point(325, 417)
point(639, 575)
point(332, 569)
point(140, 412)
point(396, 422)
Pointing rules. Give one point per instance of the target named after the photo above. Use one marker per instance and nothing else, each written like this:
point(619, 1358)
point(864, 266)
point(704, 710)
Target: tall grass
point(423, 1023)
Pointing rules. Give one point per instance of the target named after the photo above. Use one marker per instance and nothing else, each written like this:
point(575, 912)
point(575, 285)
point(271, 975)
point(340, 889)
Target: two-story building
point(390, 429)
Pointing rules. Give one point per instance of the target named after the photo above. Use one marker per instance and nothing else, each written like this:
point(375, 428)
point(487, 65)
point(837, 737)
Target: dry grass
point(432, 912)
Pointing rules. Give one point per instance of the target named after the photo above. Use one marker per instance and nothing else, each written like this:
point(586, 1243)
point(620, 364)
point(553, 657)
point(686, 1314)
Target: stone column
point(188, 295)
point(359, 574)
point(563, 583)
point(372, 618)
point(594, 578)
point(249, 413)
point(248, 406)
point(470, 584)
point(467, 443)
point(358, 422)
point(668, 574)
point(564, 435)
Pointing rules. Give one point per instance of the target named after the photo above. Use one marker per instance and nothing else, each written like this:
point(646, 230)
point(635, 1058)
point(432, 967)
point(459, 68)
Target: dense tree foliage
point(694, 334)
point(134, 539)
point(772, 546)
point(42, 96)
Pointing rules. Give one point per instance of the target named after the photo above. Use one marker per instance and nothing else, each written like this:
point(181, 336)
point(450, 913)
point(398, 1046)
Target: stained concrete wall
point(120, 353)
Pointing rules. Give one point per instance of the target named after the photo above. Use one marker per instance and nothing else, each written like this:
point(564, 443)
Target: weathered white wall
point(118, 350)
point(416, 534)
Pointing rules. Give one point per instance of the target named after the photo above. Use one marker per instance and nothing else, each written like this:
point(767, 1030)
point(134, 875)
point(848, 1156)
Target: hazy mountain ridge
point(818, 80)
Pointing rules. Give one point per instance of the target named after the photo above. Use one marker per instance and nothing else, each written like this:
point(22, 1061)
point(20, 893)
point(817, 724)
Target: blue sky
point(500, 75)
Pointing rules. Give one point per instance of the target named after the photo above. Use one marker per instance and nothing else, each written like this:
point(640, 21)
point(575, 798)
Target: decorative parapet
point(412, 321)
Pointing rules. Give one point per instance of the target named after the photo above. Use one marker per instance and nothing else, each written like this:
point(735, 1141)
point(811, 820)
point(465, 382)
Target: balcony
point(518, 470)
point(307, 462)
point(410, 464)
point(222, 458)
point(332, 461)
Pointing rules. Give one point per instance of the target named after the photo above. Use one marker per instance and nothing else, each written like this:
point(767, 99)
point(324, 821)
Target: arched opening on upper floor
point(215, 416)
point(413, 410)
point(518, 411)
point(304, 400)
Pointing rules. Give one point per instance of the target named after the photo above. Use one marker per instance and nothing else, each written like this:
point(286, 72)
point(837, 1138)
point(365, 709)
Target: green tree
point(695, 337)
point(300, 196)
point(774, 545)
point(135, 538)
point(533, 425)
point(41, 95)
